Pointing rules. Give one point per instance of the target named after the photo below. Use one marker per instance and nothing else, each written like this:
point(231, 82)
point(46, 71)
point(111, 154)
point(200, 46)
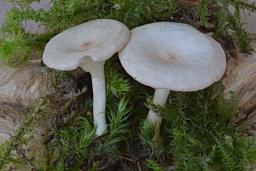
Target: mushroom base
point(160, 98)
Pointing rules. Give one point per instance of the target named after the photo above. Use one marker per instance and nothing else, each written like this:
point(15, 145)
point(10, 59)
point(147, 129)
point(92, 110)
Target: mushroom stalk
point(160, 98)
point(99, 95)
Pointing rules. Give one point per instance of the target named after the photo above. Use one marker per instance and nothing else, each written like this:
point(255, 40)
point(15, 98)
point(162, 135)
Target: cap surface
point(173, 56)
point(98, 39)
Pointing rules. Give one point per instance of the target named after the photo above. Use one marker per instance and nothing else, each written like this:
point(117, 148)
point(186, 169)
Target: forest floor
point(197, 131)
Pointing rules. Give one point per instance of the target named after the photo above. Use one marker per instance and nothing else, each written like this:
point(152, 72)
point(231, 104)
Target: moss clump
point(201, 135)
point(14, 50)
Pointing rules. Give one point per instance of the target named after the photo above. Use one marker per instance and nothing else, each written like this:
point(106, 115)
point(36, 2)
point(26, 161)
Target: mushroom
point(88, 46)
point(172, 56)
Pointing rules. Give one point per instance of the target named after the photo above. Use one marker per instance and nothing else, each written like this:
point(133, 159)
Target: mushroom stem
point(99, 99)
point(99, 95)
point(160, 98)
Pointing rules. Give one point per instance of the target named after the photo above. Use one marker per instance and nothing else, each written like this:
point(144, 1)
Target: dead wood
point(23, 85)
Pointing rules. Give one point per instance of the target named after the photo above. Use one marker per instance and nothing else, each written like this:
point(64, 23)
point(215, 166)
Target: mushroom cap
point(173, 56)
point(97, 39)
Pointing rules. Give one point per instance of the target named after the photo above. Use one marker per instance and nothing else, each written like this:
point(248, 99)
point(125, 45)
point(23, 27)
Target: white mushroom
point(88, 46)
point(172, 56)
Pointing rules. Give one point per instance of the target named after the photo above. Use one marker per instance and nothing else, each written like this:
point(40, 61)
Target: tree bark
point(11, 116)
point(241, 80)
point(19, 88)
point(23, 85)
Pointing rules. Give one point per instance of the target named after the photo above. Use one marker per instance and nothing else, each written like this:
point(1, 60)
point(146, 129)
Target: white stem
point(99, 94)
point(99, 104)
point(160, 98)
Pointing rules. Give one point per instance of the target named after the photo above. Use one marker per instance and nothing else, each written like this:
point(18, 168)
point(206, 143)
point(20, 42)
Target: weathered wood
point(23, 85)
point(20, 88)
point(11, 116)
point(241, 79)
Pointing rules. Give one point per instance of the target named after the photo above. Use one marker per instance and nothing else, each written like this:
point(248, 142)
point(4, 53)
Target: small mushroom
point(172, 56)
point(88, 46)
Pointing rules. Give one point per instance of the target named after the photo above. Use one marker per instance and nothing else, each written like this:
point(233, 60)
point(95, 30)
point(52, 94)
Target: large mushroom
point(88, 46)
point(172, 56)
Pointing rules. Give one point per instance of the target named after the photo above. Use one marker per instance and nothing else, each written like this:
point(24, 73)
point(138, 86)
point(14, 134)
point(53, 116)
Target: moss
point(202, 137)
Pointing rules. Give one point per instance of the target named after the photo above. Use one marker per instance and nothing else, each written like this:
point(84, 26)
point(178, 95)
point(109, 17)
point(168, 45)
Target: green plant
point(77, 138)
point(152, 165)
point(202, 138)
point(147, 132)
point(118, 128)
point(14, 50)
point(117, 84)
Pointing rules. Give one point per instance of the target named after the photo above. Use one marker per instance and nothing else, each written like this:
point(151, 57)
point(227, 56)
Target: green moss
point(14, 50)
point(154, 166)
point(202, 138)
